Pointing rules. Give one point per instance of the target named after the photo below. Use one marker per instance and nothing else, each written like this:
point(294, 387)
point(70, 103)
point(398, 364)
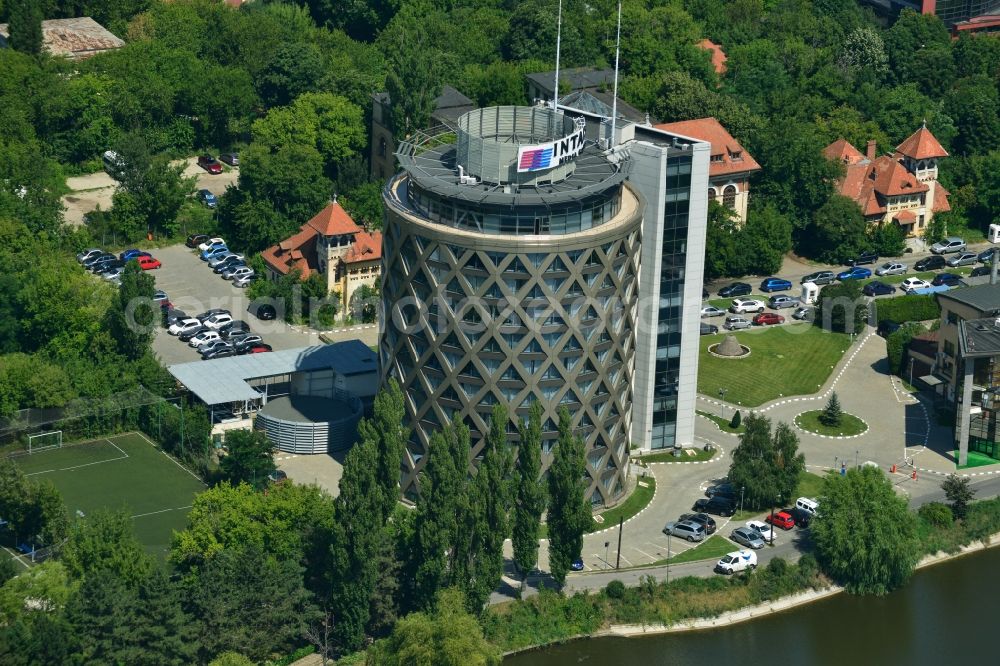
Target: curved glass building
point(510, 275)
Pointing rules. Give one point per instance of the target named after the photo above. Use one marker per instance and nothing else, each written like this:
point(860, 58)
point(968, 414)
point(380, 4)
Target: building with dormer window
point(901, 188)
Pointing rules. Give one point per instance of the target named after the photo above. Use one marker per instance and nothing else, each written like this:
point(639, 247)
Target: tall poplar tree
point(386, 429)
point(26, 26)
point(529, 493)
point(569, 514)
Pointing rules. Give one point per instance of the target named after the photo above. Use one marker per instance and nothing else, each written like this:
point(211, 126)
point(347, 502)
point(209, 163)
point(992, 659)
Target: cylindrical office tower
point(510, 264)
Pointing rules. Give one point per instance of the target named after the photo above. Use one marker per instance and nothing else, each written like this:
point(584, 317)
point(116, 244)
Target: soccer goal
point(44, 441)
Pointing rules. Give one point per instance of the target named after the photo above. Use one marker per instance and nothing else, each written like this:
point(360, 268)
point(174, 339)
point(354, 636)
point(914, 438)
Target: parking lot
point(193, 287)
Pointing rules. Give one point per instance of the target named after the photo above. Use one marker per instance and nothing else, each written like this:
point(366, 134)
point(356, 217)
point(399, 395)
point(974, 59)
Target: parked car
point(719, 506)
point(887, 327)
point(237, 272)
point(686, 530)
point(232, 159)
point(277, 476)
point(766, 531)
point(818, 277)
point(133, 254)
point(106, 264)
point(214, 252)
point(708, 329)
point(863, 258)
point(782, 519)
point(259, 348)
point(775, 284)
point(577, 564)
point(244, 281)
point(856, 273)
point(722, 489)
point(228, 264)
point(210, 313)
point(986, 256)
point(194, 240)
point(203, 337)
point(183, 326)
point(171, 316)
point(736, 561)
point(878, 288)
point(217, 261)
point(89, 253)
point(948, 245)
point(263, 311)
point(736, 323)
point(808, 504)
point(742, 305)
point(962, 259)
point(735, 289)
point(768, 319)
point(780, 302)
point(912, 283)
point(113, 273)
point(891, 268)
point(246, 343)
point(233, 327)
point(702, 519)
point(980, 271)
point(803, 314)
point(801, 517)
point(211, 242)
point(90, 261)
point(209, 164)
point(207, 198)
point(191, 332)
point(951, 279)
point(212, 345)
point(148, 263)
point(931, 263)
point(217, 321)
point(219, 352)
point(747, 537)
point(712, 311)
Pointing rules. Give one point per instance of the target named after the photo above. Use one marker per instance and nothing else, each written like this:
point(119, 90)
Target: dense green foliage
point(34, 509)
point(866, 556)
point(832, 414)
point(841, 308)
point(767, 463)
point(898, 342)
point(249, 458)
point(911, 307)
point(569, 514)
point(529, 493)
point(960, 493)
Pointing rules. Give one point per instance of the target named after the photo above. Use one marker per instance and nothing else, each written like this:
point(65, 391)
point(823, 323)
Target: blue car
point(129, 255)
point(775, 284)
point(856, 273)
point(213, 252)
point(207, 198)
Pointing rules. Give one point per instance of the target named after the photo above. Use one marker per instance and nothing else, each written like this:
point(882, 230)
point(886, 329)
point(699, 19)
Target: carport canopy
point(931, 380)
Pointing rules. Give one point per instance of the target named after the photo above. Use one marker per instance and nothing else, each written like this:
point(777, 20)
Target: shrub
point(735, 422)
point(912, 307)
point(615, 589)
point(897, 343)
point(936, 514)
point(832, 414)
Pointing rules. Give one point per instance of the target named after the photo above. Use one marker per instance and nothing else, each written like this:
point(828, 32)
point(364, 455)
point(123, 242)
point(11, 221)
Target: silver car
point(735, 323)
point(963, 259)
point(949, 244)
point(891, 268)
point(748, 537)
point(685, 529)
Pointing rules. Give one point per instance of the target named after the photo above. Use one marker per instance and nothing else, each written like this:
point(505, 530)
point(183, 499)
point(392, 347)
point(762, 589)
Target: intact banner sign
point(548, 155)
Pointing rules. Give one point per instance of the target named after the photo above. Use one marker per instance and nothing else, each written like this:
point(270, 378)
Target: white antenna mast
point(555, 90)
point(614, 101)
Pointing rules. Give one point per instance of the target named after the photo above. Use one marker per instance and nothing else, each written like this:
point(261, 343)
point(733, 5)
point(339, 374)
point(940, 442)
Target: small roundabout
point(849, 426)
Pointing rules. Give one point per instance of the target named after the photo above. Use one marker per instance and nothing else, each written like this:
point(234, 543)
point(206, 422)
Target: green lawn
point(711, 549)
point(636, 502)
point(810, 485)
point(687, 455)
point(123, 471)
point(722, 423)
point(785, 360)
point(849, 424)
point(976, 459)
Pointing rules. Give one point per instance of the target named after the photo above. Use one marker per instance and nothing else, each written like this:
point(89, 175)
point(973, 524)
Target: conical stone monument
point(730, 347)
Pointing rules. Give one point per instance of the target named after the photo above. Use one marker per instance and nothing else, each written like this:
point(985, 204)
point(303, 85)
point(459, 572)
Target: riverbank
point(755, 611)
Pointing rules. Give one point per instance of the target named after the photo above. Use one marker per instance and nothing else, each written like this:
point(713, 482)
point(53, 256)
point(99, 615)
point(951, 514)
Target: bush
point(615, 589)
point(936, 514)
point(912, 307)
point(898, 342)
point(735, 422)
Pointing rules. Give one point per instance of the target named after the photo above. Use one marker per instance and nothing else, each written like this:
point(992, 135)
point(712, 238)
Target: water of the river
point(947, 614)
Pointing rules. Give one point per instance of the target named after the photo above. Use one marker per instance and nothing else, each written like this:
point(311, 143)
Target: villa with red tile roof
point(334, 246)
point(729, 166)
point(901, 188)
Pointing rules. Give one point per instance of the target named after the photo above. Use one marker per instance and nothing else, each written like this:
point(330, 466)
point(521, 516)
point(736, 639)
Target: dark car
point(819, 277)
point(980, 271)
point(232, 159)
point(228, 263)
point(702, 519)
point(864, 258)
point(735, 289)
point(208, 198)
point(194, 240)
point(577, 565)
point(709, 329)
point(878, 288)
point(106, 265)
point(724, 488)
point(887, 327)
point(775, 284)
point(931, 263)
point(87, 263)
point(949, 279)
point(262, 311)
point(986, 256)
point(208, 313)
point(128, 255)
point(209, 164)
point(720, 506)
point(801, 517)
point(172, 315)
point(219, 352)
point(186, 337)
point(233, 327)
point(277, 476)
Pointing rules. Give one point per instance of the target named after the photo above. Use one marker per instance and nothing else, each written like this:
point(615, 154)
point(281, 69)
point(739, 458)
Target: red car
point(259, 349)
point(781, 519)
point(148, 263)
point(768, 318)
point(209, 164)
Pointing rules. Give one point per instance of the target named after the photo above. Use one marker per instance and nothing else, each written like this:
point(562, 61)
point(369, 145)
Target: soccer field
point(121, 471)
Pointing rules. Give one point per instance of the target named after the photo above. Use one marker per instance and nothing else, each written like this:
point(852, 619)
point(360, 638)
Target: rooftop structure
point(73, 38)
point(540, 84)
point(718, 55)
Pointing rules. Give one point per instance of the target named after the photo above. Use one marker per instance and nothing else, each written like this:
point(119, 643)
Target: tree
point(888, 240)
point(569, 514)
point(841, 308)
point(529, 493)
point(764, 240)
point(864, 50)
point(832, 414)
point(737, 419)
point(25, 26)
point(231, 659)
point(387, 431)
point(250, 458)
point(105, 540)
point(133, 316)
point(839, 231)
point(766, 464)
point(724, 255)
point(447, 636)
point(898, 343)
point(290, 179)
point(973, 103)
point(151, 191)
point(45, 518)
point(47, 583)
point(959, 492)
point(868, 557)
point(294, 69)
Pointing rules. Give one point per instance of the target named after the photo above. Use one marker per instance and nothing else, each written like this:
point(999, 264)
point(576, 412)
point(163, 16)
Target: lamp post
point(722, 397)
point(911, 372)
point(856, 457)
point(742, 488)
point(776, 500)
point(667, 577)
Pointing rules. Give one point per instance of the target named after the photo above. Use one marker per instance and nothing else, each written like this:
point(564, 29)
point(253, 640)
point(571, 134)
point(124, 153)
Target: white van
point(809, 505)
point(112, 162)
point(739, 560)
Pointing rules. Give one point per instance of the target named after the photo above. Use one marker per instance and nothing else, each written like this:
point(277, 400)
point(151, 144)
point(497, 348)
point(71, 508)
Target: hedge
point(912, 307)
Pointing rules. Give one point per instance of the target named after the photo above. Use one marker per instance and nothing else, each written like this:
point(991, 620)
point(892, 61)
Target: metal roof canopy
point(224, 380)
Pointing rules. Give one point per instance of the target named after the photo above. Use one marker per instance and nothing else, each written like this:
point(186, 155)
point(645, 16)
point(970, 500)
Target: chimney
point(870, 151)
